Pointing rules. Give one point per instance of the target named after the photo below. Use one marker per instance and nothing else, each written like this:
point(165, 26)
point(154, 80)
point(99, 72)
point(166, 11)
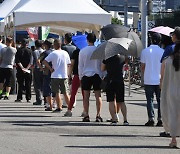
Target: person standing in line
point(1, 44)
point(47, 92)
point(90, 75)
point(170, 91)
point(151, 66)
point(7, 57)
point(59, 73)
point(24, 61)
point(115, 87)
point(175, 37)
point(75, 81)
point(37, 73)
point(70, 49)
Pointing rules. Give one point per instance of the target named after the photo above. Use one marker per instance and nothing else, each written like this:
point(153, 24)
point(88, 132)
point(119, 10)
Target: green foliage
point(168, 19)
point(116, 21)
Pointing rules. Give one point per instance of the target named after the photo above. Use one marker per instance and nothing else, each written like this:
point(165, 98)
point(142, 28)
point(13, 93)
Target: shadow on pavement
point(107, 135)
point(142, 104)
point(122, 147)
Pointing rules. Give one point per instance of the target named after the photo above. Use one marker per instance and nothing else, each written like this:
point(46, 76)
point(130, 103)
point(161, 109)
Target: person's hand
point(51, 70)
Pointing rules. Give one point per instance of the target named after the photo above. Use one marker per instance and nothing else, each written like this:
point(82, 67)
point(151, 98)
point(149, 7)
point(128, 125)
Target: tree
point(116, 21)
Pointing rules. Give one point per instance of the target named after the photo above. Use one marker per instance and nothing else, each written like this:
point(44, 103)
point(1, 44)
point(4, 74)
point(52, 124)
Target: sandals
point(86, 119)
point(173, 145)
point(99, 119)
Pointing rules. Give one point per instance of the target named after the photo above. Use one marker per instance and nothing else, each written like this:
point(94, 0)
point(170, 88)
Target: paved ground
point(28, 129)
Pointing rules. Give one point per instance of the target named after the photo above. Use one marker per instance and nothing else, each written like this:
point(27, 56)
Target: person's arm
point(143, 65)
point(103, 67)
point(48, 66)
point(162, 73)
point(71, 66)
point(80, 66)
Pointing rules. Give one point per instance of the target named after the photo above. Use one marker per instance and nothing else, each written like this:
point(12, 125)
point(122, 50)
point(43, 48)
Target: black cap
point(25, 41)
point(156, 38)
point(176, 32)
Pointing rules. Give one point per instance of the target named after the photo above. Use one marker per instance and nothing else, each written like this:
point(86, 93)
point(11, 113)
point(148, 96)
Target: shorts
point(59, 85)
point(6, 75)
point(115, 90)
point(47, 86)
point(93, 81)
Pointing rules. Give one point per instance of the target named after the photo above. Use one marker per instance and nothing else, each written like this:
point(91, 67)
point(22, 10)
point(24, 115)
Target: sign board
point(151, 24)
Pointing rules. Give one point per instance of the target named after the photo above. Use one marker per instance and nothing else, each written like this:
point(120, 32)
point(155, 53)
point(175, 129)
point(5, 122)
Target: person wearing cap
point(24, 61)
point(150, 66)
point(7, 57)
point(47, 92)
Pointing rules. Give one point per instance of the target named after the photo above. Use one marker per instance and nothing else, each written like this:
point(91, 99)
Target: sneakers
point(18, 100)
point(28, 101)
point(114, 123)
point(164, 134)
point(6, 98)
point(125, 123)
point(159, 123)
point(149, 123)
point(57, 110)
point(64, 106)
point(86, 119)
point(99, 119)
point(68, 114)
point(48, 109)
point(37, 103)
point(1, 96)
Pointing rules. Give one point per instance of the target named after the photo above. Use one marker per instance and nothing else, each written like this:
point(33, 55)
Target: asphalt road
point(28, 129)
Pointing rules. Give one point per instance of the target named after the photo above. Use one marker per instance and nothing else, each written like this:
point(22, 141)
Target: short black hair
point(156, 38)
point(91, 37)
point(38, 43)
point(68, 37)
point(24, 41)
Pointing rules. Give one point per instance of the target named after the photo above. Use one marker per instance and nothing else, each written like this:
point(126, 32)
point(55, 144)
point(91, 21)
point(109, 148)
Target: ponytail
point(176, 57)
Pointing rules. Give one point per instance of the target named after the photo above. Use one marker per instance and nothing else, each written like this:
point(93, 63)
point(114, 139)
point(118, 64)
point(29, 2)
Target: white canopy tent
point(79, 14)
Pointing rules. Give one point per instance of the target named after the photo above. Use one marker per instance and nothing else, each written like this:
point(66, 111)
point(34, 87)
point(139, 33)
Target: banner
point(33, 33)
point(45, 32)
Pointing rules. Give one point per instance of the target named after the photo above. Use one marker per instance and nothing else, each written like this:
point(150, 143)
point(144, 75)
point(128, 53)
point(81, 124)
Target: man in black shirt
point(24, 61)
point(115, 87)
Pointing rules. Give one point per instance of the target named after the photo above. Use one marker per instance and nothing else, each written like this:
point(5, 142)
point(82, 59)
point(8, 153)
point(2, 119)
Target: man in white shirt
point(90, 76)
point(59, 73)
point(151, 66)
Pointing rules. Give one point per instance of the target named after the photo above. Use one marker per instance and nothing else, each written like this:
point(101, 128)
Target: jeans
point(149, 91)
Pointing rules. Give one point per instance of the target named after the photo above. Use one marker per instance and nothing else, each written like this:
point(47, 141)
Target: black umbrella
point(118, 31)
point(114, 31)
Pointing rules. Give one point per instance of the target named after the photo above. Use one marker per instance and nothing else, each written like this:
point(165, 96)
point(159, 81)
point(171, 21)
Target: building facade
point(173, 4)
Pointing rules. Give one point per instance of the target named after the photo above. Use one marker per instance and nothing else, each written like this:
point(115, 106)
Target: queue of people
point(66, 68)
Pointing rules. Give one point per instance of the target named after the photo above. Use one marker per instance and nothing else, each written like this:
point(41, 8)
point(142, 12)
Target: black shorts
point(93, 81)
point(115, 90)
point(6, 76)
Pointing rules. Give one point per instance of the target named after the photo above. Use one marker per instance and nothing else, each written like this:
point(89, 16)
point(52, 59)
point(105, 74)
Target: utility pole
point(126, 13)
point(144, 23)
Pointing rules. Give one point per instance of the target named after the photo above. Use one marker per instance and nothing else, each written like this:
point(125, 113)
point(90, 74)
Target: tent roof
point(79, 14)
point(9, 6)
